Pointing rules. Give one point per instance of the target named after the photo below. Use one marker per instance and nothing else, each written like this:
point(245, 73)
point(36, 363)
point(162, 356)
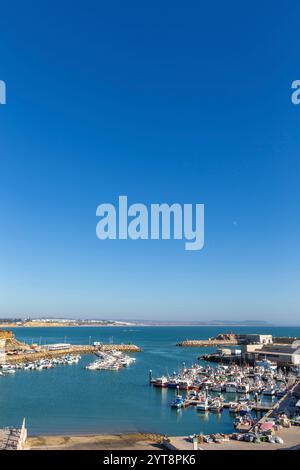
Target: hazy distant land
point(57, 322)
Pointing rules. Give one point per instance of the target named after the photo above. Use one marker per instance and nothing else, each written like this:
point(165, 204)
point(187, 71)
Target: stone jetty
point(74, 349)
point(14, 351)
point(223, 339)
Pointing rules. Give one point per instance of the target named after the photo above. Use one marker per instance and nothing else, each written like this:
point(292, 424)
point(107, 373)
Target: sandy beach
point(95, 442)
point(290, 436)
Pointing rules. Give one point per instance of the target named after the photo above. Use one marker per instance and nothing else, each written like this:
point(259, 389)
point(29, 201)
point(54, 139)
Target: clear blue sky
point(163, 102)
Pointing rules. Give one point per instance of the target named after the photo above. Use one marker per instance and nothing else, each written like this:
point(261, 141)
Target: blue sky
point(163, 103)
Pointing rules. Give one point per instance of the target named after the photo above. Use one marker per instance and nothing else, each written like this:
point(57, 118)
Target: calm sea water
point(70, 399)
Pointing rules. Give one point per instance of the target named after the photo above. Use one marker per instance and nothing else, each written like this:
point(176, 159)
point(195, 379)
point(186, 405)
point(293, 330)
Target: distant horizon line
point(148, 322)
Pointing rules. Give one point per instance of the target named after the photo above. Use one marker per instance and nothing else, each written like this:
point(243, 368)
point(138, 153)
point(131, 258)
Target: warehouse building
point(282, 354)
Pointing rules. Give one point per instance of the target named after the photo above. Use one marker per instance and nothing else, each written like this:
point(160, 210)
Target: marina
point(242, 390)
point(113, 361)
point(77, 400)
point(42, 364)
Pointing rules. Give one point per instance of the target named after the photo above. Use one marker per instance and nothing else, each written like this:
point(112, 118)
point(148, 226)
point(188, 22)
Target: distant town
point(69, 322)
point(57, 322)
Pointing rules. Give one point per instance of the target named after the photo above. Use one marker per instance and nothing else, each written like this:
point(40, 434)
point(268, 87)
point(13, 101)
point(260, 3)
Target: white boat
point(178, 402)
point(243, 388)
point(266, 364)
point(216, 406)
point(231, 387)
point(245, 409)
point(161, 382)
point(8, 372)
point(243, 398)
point(218, 387)
point(269, 391)
point(233, 407)
point(202, 406)
point(113, 367)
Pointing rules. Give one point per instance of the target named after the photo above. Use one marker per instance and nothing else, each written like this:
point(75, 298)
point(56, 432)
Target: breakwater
point(75, 349)
point(202, 343)
point(215, 357)
point(222, 339)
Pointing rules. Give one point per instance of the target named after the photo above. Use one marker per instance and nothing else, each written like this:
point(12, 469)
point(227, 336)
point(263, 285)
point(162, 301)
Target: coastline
point(74, 349)
point(133, 325)
point(145, 441)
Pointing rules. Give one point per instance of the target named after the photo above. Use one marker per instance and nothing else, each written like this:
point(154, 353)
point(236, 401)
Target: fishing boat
point(184, 384)
point(202, 406)
point(192, 395)
point(216, 406)
point(178, 402)
point(245, 420)
point(243, 398)
point(231, 387)
point(244, 410)
point(269, 391)
point(218, 387)
point(281, 392)
point(161, 382)
point(243, 388)
point(233, 407)
point(173, 382)
point(266, 364)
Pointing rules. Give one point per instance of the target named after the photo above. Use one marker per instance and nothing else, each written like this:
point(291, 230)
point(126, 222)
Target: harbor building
point(57, 346)
point(255, 339)
point(257, 347)
point(282, 354)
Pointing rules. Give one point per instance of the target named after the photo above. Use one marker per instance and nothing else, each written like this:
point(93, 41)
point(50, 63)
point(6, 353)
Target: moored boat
point(202, 406)
point(161, 382)
point(178, 402)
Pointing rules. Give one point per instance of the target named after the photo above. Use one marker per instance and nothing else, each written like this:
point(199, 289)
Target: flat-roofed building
point(57, 346)
point(282, 354)
point(255, 338)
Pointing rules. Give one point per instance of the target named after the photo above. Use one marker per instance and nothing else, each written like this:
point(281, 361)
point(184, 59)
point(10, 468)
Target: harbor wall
point(202, 343)
point(83, 349)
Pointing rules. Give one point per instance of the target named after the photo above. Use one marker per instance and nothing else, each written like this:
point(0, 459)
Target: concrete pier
point(256, 407)
point(206, 343)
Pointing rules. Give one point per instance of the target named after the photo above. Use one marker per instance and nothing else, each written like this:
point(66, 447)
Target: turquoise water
point(70, 399)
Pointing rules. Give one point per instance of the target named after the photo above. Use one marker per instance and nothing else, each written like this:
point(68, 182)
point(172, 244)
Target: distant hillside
point(202, 323)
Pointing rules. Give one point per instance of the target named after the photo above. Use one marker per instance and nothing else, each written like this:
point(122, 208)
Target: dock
point(257, 407)
point(222, 339)
point(206, 343)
